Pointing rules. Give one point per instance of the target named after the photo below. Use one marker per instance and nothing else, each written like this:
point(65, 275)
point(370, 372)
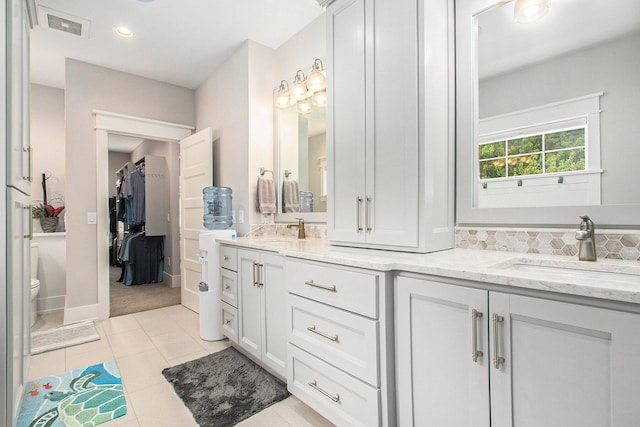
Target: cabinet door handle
point(331, 288)
point(497, 359)
point(30, 220)
point(313, 329)
point(358, 204)
point(475, 315)
point(314, 384)
point(260, 271)
point(29, 176)
point(367, 209)
point(255, 282)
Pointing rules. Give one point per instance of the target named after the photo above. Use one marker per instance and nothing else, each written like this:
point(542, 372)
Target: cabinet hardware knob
point(314, 384)
point(313, 329)
point(331, 288)
point(475, 315)
point(226, 258)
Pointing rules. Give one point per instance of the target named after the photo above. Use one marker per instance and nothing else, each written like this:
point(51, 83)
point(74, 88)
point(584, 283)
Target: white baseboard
point(80, 314)
point(174, 280)
point(48, 304)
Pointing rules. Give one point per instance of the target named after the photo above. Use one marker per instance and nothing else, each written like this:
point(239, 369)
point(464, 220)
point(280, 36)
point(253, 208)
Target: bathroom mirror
point(301, 163)
point(547, 113)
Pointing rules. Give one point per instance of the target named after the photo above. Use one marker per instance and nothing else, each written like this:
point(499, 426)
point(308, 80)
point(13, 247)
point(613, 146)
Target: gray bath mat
point(224, 388)
point(64, 336)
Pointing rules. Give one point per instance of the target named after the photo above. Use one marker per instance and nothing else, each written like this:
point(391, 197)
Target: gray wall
point(611, 68)
point(236, 102)
point(90, 87)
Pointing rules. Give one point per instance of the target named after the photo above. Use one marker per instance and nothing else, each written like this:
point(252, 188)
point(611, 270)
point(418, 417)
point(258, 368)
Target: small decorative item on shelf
point(48, 216)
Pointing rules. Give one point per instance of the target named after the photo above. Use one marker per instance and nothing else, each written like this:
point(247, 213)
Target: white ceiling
point(569, 25)
point(123, 143)
point(175, 41)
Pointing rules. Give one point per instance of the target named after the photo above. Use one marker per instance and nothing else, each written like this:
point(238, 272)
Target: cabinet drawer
point(229, 321)
point(343, 339)
point(229, 287)
point(349, 289)
point(339, 397)
point(229, 258)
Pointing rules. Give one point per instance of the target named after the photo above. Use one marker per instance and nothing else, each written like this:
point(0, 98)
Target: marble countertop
point(615, 280)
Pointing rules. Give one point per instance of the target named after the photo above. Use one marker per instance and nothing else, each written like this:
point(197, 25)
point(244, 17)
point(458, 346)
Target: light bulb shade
point(319, 99)
point(282, 97)
point(298, 88)
point(304, 107)
point(316, 80)
point(526, 11)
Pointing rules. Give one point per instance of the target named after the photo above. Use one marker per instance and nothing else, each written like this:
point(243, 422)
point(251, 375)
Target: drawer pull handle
point(497, 359)
point(226, 258)
point(322, 334)
point(314, 384)
point(331, 288)
point(475, 315)
point(227, 287)
point(228, 321)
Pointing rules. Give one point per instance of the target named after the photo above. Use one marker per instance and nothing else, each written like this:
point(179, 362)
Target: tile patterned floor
point(143, 344)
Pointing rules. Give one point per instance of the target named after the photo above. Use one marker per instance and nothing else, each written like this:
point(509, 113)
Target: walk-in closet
point(140, 243)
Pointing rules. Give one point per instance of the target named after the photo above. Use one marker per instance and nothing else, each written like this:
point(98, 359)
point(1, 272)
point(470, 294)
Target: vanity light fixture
point(319, 99)
point(282, 97)
point(526, 11)
point(304, 107)
point(124, 32)
point(316, 80)
point(298, 88)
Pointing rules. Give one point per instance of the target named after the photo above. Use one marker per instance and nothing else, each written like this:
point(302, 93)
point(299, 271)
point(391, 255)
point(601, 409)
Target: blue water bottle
point(217, 208)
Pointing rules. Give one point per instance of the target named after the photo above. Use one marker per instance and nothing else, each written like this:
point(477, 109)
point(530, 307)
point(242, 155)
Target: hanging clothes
point(143, 259)
point(135, 198)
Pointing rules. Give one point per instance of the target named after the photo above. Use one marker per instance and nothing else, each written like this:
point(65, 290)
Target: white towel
point(290, 196)
point(265, 195)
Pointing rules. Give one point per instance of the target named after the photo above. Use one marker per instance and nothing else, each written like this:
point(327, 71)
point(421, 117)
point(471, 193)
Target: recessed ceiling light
point(124, 32)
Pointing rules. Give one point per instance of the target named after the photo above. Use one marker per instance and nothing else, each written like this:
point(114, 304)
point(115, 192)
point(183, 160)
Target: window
point(528, 155)
point(537, 153)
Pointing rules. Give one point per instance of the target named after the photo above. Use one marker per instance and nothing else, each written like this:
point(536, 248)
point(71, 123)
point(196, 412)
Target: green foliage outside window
point(524, 156)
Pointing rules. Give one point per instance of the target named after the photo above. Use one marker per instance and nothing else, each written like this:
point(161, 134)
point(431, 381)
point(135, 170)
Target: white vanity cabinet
point(340, 334)
point(471, 357)
point(390, 124)
point(262, 307)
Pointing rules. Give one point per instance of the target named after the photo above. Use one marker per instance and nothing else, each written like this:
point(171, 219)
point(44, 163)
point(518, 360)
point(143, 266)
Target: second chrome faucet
point(587, 238)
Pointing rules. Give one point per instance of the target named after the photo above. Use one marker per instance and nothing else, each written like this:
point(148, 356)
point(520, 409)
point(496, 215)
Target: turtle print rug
point(82, 397)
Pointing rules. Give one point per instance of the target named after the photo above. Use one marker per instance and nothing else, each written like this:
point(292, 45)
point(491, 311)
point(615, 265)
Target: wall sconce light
point(319, 99)
point(316, 80)
point(526, 11)
point(282, 97)
point(298, 88)
point(304, 107)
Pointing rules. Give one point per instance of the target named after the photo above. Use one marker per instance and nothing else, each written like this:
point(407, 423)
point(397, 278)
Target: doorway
point(111, 125)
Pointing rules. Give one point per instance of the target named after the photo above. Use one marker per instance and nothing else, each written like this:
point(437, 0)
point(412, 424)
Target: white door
point(439, 381)
point(274, 306)
point(564, 364)
point(196, 172)
point(249, 304)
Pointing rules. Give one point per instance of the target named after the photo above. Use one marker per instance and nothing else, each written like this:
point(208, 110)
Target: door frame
point(114, 123)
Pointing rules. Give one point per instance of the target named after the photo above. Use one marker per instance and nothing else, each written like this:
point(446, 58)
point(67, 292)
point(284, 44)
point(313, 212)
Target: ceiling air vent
point(63, 22)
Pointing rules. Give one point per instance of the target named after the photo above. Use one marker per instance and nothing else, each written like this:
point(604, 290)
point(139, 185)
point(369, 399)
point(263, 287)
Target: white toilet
point(35, 283)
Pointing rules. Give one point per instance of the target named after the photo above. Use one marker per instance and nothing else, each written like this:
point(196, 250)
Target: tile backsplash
point(612, 244)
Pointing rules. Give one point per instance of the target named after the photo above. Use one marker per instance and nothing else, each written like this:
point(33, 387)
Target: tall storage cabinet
point(16, 230)
point(390, 124)
point(471, 357)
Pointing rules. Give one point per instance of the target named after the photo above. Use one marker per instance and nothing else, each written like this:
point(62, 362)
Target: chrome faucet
point(300, 226)
point(587, 237)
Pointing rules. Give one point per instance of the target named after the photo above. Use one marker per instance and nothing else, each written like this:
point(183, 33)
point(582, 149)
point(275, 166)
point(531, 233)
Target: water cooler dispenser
point(217, 219)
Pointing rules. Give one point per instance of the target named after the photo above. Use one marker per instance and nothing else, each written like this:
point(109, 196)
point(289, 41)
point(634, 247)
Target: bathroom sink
point(608, 272)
